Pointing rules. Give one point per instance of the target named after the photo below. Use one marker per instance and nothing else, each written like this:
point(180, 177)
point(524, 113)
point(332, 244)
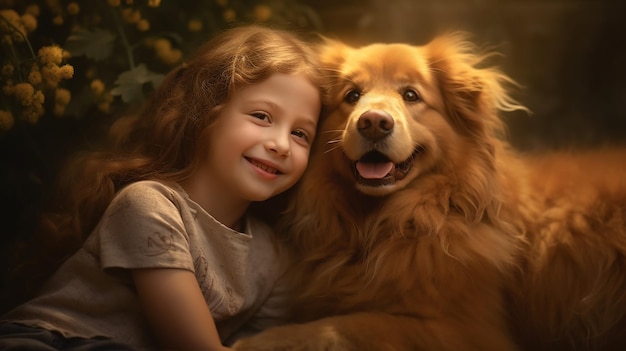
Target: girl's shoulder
point(150, 188)
point(150, 185)
point(149, 194)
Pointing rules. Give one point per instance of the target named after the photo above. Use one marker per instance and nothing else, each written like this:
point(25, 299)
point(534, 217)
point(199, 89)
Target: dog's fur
point(464, 244)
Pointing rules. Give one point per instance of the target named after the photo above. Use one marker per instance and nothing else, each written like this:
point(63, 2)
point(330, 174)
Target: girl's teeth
point(264, 167)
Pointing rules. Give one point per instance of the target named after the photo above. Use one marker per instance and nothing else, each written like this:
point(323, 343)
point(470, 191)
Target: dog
point(418, 227)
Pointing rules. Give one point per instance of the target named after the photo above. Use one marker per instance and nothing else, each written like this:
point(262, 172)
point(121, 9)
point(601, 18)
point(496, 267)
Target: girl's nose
point(279, 144)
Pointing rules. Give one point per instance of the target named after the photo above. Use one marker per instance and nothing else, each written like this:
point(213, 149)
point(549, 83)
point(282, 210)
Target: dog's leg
point(378, 332)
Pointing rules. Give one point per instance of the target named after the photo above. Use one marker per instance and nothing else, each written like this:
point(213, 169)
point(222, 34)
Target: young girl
point(173, 260)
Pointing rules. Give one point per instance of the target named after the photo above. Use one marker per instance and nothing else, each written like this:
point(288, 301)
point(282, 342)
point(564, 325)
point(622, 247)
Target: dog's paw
point(303, 337)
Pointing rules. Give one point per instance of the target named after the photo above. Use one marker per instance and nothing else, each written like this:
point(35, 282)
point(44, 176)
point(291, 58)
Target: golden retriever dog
point(417, 227)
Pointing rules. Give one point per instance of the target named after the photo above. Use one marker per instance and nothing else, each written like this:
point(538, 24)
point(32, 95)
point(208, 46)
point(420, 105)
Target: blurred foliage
point(68, 67)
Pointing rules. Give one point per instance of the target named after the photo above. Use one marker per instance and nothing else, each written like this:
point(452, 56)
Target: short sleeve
point(143, 228)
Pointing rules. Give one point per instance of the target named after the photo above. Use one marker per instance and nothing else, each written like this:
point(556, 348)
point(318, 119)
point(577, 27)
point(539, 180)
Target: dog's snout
point(375, 124)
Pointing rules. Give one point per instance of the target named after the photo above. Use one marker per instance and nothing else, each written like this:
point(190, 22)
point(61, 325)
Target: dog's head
point(398, 112)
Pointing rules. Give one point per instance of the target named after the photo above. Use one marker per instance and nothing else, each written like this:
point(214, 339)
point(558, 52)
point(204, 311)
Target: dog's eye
point(352, 96)
point(410, 95)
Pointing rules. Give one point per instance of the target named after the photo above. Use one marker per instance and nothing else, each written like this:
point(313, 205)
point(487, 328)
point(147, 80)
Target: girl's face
point(260, 143)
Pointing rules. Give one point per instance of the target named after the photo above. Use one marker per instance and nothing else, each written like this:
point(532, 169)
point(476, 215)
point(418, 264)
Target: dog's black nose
point(375, 124)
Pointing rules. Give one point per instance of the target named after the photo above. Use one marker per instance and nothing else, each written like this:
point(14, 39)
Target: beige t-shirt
point(148, 225)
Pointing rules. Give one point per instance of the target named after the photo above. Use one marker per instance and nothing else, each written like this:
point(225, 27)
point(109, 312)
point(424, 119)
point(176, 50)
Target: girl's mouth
point(263, 166)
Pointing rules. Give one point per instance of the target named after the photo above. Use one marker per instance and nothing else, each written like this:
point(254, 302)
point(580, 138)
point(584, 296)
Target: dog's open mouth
point(376, 169)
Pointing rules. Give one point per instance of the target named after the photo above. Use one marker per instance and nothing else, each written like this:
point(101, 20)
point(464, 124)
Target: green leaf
point(96, 45)
point(129, 84)
point(128, 92)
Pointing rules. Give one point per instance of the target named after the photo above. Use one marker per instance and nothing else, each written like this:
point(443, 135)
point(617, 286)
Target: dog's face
point(392, 114)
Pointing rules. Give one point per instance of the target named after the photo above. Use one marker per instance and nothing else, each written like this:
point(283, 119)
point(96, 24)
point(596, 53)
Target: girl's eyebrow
point(269, 103)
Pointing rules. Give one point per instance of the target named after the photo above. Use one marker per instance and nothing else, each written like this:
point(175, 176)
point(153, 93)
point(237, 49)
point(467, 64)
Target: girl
point(173, 255)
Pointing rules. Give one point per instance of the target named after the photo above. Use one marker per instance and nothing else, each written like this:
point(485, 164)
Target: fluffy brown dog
point(417, 228)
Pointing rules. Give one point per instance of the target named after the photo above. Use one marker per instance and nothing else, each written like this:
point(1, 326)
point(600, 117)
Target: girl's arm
point(176, 309)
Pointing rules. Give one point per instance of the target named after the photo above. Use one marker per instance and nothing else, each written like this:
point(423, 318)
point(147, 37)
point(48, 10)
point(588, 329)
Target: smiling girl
point(173, 258)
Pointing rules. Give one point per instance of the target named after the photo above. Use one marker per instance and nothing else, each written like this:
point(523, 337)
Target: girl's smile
point(264, 168)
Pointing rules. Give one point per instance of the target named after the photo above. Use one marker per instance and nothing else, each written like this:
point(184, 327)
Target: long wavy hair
point(163, 141)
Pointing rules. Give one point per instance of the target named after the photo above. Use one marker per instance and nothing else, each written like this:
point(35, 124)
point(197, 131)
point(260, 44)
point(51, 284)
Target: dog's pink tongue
point(374, 170)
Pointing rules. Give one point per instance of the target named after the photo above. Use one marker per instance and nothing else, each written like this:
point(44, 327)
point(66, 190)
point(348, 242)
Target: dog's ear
point(332, 53)
point(473, 95)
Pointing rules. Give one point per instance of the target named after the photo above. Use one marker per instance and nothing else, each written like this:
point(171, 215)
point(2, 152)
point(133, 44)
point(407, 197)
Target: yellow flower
point(229, 15)
point(32, 113)
point(16, 29)
point(34, 77)
point(165, 53)
point(24, 93)
point(6, 120)
point(194, 25)
point(104, 106)
point(172, 58)
point(58, 20)
point(39, 97)
point(66, 71)
point(53, 4)
point(131, 16)
point(97, 87)
point(12, 17)
point(8, 69)
point(114, 3)
point(30, 22)
point(162, 46)
point(50, 75)
point(50, 55)
point(143, 25)
point(73, 8)
point(33, 9)
point(104, 103)
point(262, 13)
point(53, 74)
point(62, 96)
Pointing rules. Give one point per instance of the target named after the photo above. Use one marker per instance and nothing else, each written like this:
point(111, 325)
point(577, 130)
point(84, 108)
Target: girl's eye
point(301, 134)
point(260, 115)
